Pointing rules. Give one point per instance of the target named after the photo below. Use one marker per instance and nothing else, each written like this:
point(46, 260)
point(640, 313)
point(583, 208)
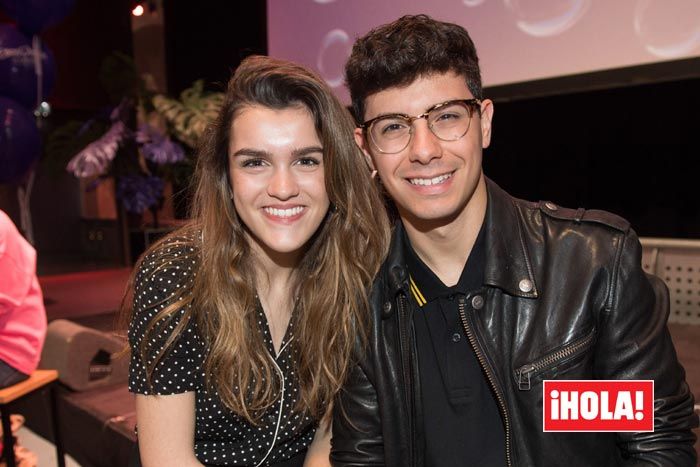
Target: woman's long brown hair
point(331, 281)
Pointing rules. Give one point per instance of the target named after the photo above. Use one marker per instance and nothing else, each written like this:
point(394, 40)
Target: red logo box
point(598, 405)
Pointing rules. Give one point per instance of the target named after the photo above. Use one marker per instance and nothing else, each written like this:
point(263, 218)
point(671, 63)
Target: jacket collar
point(395, 265)
point(508, 264)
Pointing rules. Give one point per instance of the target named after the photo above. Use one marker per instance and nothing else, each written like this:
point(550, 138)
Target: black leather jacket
point(564, 297)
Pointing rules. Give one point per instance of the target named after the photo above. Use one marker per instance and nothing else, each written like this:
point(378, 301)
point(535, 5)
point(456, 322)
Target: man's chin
point(428, 219)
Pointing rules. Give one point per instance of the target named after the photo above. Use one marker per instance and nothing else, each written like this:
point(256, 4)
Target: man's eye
point(253, 163)
point(448, 116)
point(392, 127)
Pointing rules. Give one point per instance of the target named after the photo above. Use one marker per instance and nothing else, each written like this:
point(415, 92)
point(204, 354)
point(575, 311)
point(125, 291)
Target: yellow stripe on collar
point(416, 292)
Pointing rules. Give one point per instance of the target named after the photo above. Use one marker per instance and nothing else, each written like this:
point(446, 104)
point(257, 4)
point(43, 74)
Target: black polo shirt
point(462, 423)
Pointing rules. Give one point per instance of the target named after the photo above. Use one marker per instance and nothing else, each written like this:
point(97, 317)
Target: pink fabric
point(22, 314)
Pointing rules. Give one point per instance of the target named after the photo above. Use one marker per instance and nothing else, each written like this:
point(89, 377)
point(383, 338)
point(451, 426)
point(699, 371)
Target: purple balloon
point(20, 144)
point(18, 75)
point(34, 16)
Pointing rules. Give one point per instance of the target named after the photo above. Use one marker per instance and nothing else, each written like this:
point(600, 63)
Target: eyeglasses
point(449, 121)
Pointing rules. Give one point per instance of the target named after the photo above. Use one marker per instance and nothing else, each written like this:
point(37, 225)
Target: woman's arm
point(319, 451)
point(166, 429)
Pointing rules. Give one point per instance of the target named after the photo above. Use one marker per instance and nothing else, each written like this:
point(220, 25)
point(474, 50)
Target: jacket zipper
point(406, 359)
point(489, 375)
point(525, 371)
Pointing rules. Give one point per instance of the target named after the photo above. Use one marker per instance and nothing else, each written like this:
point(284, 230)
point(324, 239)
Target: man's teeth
point(429, 181)
point(284, 212)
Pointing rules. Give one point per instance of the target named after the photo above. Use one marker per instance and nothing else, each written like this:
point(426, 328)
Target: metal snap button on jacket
point(525, 285)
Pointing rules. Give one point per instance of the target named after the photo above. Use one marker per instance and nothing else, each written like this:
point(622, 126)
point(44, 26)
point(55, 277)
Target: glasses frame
point(471, 103)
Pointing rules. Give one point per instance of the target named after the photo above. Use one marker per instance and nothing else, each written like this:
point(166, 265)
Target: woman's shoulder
point(167, 267)
point(178, 251)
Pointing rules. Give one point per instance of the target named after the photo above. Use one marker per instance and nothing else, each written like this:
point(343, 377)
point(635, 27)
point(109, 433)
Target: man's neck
point(445, 247)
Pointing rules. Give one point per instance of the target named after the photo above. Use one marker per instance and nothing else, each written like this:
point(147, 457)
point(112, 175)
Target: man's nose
point(424, 146)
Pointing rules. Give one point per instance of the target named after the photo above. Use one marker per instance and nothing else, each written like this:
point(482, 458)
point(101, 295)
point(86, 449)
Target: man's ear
point(486, 119)
point(362, 144)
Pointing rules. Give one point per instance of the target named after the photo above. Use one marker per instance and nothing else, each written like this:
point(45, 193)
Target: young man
point(484, 296)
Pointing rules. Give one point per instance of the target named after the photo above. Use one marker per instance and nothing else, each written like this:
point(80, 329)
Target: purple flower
point(157, 147)
point(96, 156)
point(139, 192)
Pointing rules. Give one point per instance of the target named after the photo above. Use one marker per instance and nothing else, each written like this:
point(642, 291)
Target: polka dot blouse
point(221, 437)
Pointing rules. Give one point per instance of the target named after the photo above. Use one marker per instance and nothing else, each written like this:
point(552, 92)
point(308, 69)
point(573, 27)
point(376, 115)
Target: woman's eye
point(253, 163)
point(308, 161)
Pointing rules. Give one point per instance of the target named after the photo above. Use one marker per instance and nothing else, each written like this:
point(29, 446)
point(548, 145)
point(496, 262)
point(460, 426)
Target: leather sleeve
point(634, 343)
point(357, 430)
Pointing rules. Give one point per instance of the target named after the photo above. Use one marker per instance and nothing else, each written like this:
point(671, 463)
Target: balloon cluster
point(27, 75)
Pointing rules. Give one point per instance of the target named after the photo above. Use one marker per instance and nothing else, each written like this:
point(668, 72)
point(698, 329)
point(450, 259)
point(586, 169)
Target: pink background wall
point(517, 40)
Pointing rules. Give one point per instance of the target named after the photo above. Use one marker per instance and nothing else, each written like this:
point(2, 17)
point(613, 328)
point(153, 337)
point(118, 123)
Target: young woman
point(243, 321)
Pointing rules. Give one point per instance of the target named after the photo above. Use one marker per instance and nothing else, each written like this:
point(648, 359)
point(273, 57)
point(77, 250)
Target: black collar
point(425, 286)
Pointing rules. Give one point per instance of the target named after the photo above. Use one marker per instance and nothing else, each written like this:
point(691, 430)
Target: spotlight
point(137, 10)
